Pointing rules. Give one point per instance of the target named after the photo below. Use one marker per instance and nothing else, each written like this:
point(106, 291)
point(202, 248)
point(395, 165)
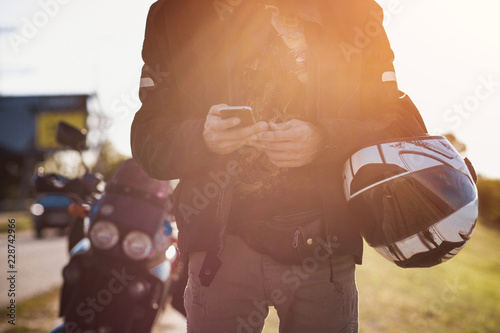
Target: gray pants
point(238, 299)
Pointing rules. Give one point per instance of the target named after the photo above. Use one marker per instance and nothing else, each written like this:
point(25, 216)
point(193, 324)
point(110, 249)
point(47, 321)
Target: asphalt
point(37, 267)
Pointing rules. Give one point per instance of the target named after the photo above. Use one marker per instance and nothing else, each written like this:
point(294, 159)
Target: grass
point(35, 315)
point(460, 295)
point(23, 220)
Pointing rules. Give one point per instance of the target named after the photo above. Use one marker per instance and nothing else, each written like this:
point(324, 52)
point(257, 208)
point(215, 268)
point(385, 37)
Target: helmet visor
point(406, 205)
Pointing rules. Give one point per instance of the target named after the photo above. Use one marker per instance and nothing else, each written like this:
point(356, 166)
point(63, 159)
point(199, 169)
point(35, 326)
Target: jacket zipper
point(218, 218)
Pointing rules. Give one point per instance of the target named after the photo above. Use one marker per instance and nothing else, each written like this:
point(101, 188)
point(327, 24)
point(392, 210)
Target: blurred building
point(27, 134)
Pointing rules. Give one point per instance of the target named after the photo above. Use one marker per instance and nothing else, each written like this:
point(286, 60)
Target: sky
point(447, 61)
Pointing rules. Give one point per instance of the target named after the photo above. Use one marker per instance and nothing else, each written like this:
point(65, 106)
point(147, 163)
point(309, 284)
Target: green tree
point(459, 145)
point(489, 199)
point(108, 160)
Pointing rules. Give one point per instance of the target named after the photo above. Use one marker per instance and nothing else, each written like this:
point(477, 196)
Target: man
point(261, 209)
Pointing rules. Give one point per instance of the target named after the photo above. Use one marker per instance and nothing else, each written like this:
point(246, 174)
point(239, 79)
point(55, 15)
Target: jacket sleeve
point(166, 134)
point(384, 114)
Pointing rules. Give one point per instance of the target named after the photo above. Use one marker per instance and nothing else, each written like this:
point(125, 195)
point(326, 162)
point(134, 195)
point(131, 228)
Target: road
point(38, 267)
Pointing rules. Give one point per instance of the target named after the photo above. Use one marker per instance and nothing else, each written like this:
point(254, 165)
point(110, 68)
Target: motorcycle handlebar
point(54, 183)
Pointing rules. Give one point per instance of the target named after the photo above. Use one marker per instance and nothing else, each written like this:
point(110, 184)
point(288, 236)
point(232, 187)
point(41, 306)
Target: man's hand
point(220, 136)
point(291, 144)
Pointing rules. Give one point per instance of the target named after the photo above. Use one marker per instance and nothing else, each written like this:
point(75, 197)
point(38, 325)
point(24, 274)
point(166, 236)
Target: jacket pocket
point(289, 239)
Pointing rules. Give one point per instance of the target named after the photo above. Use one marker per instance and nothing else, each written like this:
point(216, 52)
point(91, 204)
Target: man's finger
point(248, 131)
point(222, 131)
point(283, 160)
point(280, 146)
point(292, 130)
point(281, 126)
point(215, 109)
point(225, 124)
point(277, 136)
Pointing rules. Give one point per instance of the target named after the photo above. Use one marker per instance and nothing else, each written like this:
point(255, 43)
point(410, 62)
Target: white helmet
point(414, 199)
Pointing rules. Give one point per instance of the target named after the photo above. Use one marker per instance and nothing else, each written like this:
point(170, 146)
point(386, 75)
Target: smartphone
point(245, 114)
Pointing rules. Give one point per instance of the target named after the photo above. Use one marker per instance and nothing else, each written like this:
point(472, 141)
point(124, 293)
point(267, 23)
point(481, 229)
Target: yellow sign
point(46, 126)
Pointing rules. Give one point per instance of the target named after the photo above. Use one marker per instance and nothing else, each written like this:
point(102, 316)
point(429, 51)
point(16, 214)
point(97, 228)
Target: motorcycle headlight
point(104, 235)
point(37, 209)
point(137, 245)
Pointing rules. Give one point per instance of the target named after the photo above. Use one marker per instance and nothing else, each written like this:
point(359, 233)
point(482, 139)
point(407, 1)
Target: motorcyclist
point(260, 209)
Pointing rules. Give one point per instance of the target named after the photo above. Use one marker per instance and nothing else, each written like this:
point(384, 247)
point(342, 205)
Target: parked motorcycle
point(50, 210)
point(60, 198)
point(119, 276)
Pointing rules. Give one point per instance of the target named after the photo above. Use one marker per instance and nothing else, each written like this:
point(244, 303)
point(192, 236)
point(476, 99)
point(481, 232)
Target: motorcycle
point(120, 275)
point(50, 210)
point(60, 199)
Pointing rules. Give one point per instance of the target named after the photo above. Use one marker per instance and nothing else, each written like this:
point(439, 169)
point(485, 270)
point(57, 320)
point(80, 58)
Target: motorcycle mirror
point(69, 135)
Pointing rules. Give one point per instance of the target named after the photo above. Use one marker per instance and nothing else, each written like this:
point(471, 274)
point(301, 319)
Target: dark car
point(51, 211)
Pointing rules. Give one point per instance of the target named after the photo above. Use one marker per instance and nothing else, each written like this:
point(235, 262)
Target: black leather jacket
point(353, 91)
